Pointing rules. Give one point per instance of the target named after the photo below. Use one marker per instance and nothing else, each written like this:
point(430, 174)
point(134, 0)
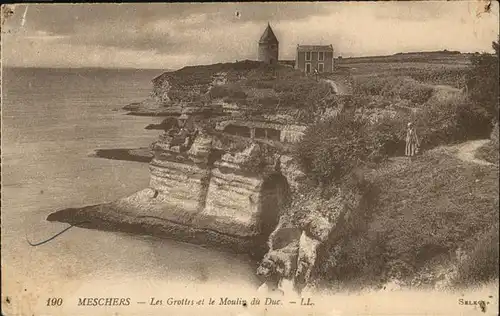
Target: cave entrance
point(274, 199)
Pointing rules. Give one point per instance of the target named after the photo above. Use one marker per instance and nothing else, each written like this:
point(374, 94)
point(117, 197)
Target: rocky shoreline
point(129, 215)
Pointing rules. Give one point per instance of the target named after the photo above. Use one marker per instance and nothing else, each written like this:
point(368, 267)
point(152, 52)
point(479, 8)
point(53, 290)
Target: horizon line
point(444, 51)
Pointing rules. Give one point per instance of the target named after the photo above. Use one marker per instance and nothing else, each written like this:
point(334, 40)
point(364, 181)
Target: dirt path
point(467, 151)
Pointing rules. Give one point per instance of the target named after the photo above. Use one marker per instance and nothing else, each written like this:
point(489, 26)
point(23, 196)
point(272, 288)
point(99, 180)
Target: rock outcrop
point(312, 224)
point(201, 190)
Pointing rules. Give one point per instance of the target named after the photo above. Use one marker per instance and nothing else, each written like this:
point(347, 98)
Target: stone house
point(311, 57)
point(268, 46)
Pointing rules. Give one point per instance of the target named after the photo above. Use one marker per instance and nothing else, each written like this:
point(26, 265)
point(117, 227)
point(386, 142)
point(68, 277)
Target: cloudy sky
point(175, 35)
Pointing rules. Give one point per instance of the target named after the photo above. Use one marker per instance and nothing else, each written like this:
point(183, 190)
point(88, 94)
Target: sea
point(52, 121)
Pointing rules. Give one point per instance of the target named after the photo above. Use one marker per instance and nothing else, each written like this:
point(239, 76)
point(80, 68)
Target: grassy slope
point(431, 206)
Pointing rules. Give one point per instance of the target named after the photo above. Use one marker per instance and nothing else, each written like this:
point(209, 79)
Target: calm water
point(52, 120)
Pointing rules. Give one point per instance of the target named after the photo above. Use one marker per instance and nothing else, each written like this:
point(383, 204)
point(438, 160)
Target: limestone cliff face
point(233, 199)
point(184, 184)
point(235, 194)
point(311, 228)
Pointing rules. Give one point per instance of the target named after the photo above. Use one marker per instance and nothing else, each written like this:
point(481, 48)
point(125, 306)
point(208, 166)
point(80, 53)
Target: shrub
point(483, 81)
point(369, 85)
point(387, 138)
point(329, 150)
point(415, 92)
point(451, 121)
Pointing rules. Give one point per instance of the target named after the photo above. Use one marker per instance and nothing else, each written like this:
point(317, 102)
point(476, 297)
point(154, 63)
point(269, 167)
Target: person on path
point(412, 142)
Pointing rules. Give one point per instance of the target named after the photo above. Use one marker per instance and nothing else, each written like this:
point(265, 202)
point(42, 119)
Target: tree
point(483, 81)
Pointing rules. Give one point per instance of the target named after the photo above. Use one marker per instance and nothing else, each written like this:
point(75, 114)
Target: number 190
point(54, 301)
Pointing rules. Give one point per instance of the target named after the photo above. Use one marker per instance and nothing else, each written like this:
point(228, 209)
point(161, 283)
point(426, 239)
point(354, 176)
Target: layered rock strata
point(199, 192)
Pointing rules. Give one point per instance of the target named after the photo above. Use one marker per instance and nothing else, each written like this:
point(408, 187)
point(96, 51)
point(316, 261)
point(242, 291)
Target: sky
point(170, 36)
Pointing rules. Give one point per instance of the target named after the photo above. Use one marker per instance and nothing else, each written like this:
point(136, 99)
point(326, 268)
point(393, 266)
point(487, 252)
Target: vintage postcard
point(245, 158)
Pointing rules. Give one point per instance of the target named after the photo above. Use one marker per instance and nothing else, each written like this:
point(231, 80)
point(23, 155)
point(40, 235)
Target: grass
point(420, 213)
point(430, 207)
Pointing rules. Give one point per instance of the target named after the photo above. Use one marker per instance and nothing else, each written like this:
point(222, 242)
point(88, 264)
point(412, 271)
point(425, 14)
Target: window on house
point(308, 56)
point(308, 67)
point(321, 67)
point(321, 56)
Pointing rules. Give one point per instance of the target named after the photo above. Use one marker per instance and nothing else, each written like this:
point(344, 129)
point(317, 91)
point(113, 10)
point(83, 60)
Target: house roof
point(268, 36)
point(315, 48)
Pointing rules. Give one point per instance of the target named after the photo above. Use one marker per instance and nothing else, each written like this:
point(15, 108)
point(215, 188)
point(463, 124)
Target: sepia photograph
point(250, 158)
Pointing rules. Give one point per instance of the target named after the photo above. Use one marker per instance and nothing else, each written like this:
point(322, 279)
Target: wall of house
point(268, 52)
point(301, 61)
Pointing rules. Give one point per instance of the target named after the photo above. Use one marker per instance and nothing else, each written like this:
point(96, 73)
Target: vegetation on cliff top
point(426, 210)
point(250, 86)
point(422, 211)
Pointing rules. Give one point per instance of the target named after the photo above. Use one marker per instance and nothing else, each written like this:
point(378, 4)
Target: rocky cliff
point(311, 231)
point(202, 189)
point(241, 88)
point(218, 187)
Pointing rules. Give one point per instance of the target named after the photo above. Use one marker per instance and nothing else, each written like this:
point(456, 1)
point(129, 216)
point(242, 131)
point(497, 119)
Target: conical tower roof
point(268, 36)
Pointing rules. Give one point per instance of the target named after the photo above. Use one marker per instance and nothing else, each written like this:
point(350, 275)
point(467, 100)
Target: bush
point(329, 150)
point(483, 81)
point(451, 121)
point(369, 85)
point(415, 92)
point(388, 138)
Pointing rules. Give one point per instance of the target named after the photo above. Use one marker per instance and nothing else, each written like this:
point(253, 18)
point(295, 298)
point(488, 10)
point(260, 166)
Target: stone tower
point(268, 46)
